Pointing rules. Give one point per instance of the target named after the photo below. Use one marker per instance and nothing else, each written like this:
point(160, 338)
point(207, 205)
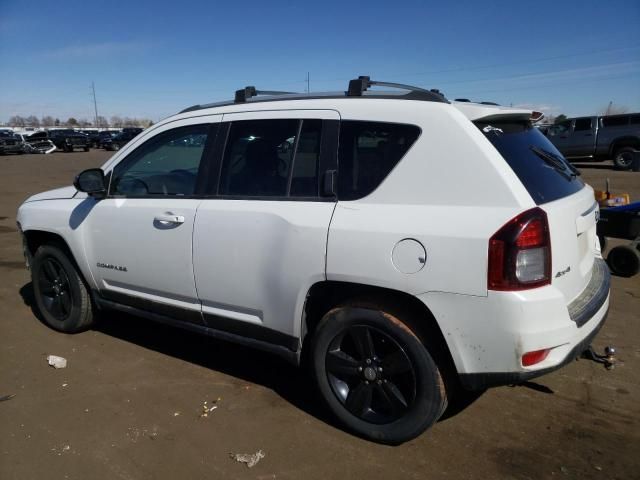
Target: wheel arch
point(325, 295)
point(628, 141)
point(34, 239)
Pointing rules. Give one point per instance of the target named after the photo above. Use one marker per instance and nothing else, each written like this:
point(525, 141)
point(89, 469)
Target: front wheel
point(375, 375)
point(61, 295)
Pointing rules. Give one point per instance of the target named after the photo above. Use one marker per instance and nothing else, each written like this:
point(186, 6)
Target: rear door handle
point(169, 217)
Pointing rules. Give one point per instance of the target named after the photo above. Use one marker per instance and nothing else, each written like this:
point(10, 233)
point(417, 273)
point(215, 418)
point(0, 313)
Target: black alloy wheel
point(62, 298)
point(55, 290)
point(370, 374)
point(375, 373)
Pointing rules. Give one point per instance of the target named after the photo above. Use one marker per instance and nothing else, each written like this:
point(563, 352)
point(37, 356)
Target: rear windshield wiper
point(556, 162)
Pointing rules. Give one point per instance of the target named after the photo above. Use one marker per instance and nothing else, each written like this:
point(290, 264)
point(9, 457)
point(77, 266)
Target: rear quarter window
point(541, 168)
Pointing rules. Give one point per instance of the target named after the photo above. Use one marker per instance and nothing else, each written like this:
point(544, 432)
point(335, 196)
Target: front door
point(260, 242)
point(138, 239)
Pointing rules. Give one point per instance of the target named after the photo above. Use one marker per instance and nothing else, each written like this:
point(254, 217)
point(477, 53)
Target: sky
point(150, 59)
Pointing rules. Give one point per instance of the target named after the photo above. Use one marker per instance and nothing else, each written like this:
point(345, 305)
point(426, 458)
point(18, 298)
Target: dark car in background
point(93, 136)
point(10, 143)
point(613, 137)
point(120, 140)
point(66, 140)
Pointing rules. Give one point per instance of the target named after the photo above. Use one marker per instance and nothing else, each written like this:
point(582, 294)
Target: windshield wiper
point(559, 164)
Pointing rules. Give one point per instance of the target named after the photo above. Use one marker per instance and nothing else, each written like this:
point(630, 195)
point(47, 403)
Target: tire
point(624, 261)
point(115, 147)
point(375, 375)
point(623, 157)
point(86, 149)
point(62, 298)
point(603, 242)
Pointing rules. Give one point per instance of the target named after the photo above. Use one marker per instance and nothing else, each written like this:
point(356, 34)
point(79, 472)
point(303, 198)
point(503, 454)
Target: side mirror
point(92, 182)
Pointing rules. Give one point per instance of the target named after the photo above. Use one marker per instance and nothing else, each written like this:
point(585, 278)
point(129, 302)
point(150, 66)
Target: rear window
point(541, 168)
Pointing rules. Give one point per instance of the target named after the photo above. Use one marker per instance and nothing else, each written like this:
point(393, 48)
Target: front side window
point(271, 158)
point(368, 151)
point(166, 164)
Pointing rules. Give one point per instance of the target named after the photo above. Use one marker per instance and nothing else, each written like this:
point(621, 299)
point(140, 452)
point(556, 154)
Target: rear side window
point(272, 158)
point(615, 121)
point(541, 168)
point(582, 124)
point(368, 151)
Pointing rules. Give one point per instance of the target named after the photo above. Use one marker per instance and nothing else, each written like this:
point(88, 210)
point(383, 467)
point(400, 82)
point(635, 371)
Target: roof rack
point(356, 89)
point(248, 92)
point(361, 84)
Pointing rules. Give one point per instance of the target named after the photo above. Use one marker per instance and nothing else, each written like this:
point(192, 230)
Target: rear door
point(259, 240)
point(556, 187)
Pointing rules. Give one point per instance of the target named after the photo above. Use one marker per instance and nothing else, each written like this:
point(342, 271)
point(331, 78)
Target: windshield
point(541, 168)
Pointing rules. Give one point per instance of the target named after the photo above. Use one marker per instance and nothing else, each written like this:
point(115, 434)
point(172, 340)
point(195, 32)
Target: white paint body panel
point(254, 261)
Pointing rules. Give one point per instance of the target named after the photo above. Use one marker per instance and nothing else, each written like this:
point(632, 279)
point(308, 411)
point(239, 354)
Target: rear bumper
point(487, 336)
point(480, 381)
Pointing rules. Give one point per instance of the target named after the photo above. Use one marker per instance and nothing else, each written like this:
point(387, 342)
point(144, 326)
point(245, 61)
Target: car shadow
point(293, 384)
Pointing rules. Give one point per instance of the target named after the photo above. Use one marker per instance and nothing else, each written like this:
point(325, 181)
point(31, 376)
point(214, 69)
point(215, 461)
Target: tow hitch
point(608, 359)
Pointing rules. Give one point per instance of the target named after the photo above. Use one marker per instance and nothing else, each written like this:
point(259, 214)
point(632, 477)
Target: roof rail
point(247, 92)
point(361, 84)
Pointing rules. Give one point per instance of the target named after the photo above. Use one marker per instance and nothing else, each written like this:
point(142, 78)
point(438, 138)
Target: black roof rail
point(361, 84)
point(246, 93)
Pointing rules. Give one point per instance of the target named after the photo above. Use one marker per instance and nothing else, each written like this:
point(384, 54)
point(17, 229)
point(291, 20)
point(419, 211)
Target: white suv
point(410, 248)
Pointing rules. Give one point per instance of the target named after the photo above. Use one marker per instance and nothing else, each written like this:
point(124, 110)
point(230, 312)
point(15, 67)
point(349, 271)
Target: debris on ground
point(206, 409)
point(251, 459)
point(4, 398)
point(176, 414)
point(57, 362)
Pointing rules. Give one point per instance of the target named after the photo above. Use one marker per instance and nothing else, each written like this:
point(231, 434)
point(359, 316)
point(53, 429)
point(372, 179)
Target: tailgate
point(574, 243)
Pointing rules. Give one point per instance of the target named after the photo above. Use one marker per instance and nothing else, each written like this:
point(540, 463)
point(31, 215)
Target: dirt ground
point(128, 404)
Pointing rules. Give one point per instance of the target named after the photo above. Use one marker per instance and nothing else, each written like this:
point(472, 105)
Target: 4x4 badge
point(562, 272)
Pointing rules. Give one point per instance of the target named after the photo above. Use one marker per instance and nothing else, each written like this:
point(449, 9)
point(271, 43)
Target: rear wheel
point(375, 375)
point(623, 157)
point(86, 149)
point(115, 147)
point(61, 295)
point(624, 261)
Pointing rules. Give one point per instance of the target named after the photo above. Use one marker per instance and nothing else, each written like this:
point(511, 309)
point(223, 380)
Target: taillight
point(520, 253)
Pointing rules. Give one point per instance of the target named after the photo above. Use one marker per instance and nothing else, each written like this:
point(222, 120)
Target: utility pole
point(95, 104)
point(308, 90)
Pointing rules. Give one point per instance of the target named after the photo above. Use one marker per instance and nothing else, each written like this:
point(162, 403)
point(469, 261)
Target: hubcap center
point(370, 374)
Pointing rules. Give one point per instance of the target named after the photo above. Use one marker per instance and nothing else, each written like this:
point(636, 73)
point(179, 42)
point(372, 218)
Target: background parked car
point(598, 138)
point(10, 143)
point(66, 140)
point(117, 142)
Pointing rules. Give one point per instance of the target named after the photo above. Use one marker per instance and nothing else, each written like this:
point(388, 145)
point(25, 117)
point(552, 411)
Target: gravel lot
point(128, 404)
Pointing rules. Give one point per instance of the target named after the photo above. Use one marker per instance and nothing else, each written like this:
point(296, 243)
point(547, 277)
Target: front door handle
point(168, 217)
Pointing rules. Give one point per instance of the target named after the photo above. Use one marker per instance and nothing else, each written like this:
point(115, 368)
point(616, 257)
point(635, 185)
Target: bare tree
point(56, 122)
point(101, 121)
point(612, 109)
point(116, 121)
point(72, 122)
point(83, 122)
point(144, 122)
point(16, 121)
point(128, 122)
point(32, 121)
point(46, 121)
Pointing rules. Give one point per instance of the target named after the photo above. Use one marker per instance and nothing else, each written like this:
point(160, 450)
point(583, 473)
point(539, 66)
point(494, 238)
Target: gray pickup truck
point(598, 138)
